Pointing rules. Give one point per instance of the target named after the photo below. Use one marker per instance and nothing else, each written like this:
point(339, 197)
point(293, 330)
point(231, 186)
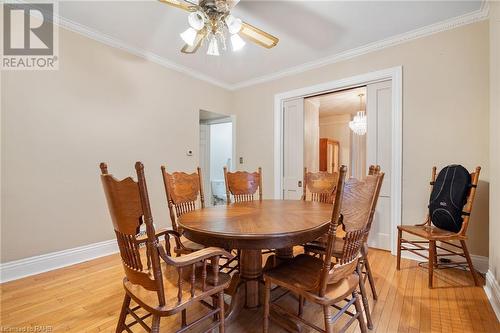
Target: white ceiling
point(341, 102)
point(308, 30)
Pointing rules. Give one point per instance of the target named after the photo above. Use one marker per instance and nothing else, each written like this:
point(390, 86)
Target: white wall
point(494, 139)
point(445, 100)
point(221, 149)
point(103, 104)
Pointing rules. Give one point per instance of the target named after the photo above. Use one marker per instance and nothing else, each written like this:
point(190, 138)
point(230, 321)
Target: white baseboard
point(480, 262)
point(17, 269)
point(492, 289)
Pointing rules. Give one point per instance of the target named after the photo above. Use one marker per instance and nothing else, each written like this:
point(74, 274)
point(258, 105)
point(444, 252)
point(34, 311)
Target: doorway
point(381, 143)
point(216, 152)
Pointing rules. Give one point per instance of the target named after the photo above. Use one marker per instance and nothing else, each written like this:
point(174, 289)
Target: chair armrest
point(143, 238)
point(194, 257)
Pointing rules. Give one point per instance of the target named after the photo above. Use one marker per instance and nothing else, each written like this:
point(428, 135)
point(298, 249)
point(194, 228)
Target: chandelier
point(211, 28)
point(358, 124)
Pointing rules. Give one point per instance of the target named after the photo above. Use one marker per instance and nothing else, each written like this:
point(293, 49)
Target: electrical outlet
point(241, 160)
point(189, 153)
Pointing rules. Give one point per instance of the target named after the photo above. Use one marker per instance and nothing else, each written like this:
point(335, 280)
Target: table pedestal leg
point(285, 253)
point(251, 271)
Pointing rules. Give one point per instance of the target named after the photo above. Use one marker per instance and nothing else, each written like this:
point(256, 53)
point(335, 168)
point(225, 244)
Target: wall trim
point(18, 269)
point(492, 290)
point(480, 263)
point(451, 23)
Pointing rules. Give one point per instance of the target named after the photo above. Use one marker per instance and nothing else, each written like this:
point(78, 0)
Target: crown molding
point(475, 16)
point(150, 56)
point(115, 43)
point(452, 23)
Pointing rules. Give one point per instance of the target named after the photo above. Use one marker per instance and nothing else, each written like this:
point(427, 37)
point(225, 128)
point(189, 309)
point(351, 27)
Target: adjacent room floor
point(87, 298)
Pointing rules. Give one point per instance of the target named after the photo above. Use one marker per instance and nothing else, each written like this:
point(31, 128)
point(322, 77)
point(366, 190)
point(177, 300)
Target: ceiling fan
point(208, 21)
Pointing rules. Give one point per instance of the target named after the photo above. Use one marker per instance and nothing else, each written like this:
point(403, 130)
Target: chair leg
point(301, 306)
point(435, 258)
point(400, 234)
point(359, 312)
point(155, 326)
point(267, 299)
point(120, 327)
point(221, 313)
point(469, 262)
point(369, 273)
point(432, 255)
point(328, 319)
point(362, 289)
point(184, 318)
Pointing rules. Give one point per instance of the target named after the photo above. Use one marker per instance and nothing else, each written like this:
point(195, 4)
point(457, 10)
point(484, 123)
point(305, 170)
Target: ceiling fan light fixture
point(189, 36)
point(196, 20)
point(233, 24)
point(211, 23)
point(237, 42)
point(213, 47)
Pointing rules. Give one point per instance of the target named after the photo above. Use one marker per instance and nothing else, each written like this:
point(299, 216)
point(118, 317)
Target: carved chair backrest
point(470, 198)
point(374, 169)
point(319, 186)
point(358, 201)
point(243, 185)
point(183, 191)
point(128, 205)
point(331, 235)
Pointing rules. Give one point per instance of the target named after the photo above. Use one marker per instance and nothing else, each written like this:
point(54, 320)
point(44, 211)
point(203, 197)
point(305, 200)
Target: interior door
point(293, 148)
point(379, 147)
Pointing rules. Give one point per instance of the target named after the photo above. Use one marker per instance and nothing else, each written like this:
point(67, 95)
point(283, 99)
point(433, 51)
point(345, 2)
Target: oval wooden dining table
point(254, 226)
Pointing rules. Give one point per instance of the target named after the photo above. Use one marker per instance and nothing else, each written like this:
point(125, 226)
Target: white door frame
point(395, 74)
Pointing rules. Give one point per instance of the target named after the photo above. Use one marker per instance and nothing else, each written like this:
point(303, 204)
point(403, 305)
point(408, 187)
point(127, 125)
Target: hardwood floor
point(87, 298)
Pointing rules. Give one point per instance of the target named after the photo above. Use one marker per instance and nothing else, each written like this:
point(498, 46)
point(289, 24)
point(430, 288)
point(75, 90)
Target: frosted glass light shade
point(233, 24)
point(213, 47)
point(189, 36)
point(237, 42)
point(196, 20)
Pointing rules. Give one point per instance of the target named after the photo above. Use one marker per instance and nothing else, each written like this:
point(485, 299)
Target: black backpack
point(448, 197)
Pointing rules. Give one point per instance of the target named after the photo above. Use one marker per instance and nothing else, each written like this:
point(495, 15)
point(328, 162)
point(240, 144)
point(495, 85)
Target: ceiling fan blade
point(258, 36)
point(232, 3)
point(181, 4)
point(197, 43)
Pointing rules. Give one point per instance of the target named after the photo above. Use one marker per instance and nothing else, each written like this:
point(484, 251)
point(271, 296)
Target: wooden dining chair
point(158, 283)
point(243, 185)
point(358, 209)
point(317, 280)
point(319, 186)
point(365, 263)
point(432, 235)
point(184, 194)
